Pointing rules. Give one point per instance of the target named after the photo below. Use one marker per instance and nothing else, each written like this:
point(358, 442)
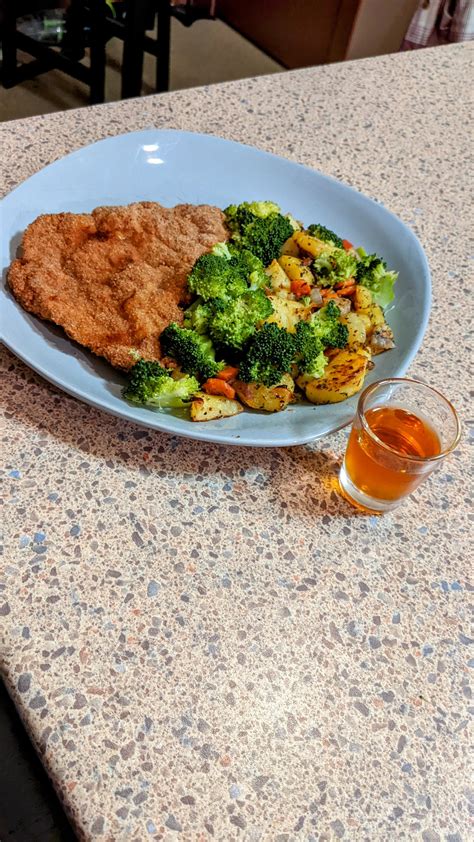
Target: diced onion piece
point(316, 296)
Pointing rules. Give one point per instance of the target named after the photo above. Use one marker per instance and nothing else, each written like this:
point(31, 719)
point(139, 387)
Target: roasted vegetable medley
point(279, 312)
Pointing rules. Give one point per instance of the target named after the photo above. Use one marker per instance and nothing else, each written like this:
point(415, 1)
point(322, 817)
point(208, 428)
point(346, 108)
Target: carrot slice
point(213, 386)
point(345, 283)
point(347, 289)
point(300, 288)
point(328, 293)
point(228, 373)
point(347, 245)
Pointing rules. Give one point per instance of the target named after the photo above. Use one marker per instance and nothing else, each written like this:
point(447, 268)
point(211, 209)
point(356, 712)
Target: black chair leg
point(73, 45)
point(164, 42)
point(97, 52)
point(133, 47)
point(9, 57)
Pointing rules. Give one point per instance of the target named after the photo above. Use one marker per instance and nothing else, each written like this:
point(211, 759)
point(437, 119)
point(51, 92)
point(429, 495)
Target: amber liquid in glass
point(373, 469)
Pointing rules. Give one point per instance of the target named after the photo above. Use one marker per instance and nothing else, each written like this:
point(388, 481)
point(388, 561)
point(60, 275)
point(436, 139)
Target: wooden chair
point(45, 57)
point(140, 18)
point(130, 23)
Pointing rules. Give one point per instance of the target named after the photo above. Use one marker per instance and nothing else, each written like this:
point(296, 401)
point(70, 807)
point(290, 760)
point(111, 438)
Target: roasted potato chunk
point(344, 376)
point(375, 315)
point(365, 321)
point(290, 246)
point(211, 407)
point(357, 331)
point(277, 277)
point(310, 244)
point(287, 313)
point(269, 398)
point(362, 298)
point(296, 269)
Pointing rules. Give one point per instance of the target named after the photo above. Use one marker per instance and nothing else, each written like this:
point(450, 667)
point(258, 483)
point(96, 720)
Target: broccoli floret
point(325, 234)
point(269, 355)
point(232, 325)
point(222, 250)
point(265, 237)
point(238, 216)
point(259, 227)
point(226, 272)
point(212, 276)
point(295, 224)
point(334, 267)
point(327, 326)
point(263, 209)
point(149, 383)
point(249, 267)
point(372, 273)
point(193, 351)
point(310, 357)
point(197, 316)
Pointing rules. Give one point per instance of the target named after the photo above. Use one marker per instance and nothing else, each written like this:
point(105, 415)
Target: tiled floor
point(206, 52)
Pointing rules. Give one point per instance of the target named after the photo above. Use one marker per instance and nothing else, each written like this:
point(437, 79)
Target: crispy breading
point(113, 279)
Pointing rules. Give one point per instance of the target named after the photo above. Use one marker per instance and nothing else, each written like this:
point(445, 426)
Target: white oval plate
point(171, 167)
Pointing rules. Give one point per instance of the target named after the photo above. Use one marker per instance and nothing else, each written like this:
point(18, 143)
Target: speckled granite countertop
point(207, 643)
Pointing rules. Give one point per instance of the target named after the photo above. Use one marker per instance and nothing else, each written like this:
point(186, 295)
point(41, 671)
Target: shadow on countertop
point(146, 451)
point(29, 808)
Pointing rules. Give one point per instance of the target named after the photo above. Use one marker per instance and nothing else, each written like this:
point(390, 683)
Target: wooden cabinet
point(298, 33)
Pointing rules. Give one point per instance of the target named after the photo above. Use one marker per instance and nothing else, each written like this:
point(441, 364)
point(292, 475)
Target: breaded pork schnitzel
point(113, 279)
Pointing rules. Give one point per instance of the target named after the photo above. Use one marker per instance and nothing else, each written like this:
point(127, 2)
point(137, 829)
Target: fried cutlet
point(113, 279)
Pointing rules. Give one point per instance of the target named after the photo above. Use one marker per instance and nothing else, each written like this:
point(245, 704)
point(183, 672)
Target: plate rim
point(193, 433)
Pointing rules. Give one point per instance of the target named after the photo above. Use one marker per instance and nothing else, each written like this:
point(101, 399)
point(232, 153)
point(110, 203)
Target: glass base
point(362, 501)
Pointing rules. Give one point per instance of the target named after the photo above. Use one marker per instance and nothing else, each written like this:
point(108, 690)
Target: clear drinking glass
point(402, 430)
